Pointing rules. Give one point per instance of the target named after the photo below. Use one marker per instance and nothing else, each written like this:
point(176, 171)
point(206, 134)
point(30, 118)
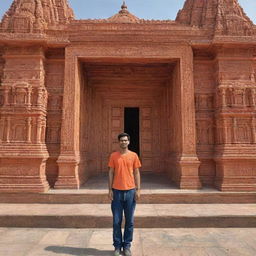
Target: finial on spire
point(124, 6)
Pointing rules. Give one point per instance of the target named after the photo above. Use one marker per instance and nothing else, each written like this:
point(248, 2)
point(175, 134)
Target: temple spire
point(36, 15)
point(225, 17)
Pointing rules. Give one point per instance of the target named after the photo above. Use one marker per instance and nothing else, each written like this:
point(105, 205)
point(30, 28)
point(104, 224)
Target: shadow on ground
point(78, 251)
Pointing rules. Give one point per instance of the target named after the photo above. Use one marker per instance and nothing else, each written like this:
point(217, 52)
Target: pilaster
point(187, 163)
point(69, 159)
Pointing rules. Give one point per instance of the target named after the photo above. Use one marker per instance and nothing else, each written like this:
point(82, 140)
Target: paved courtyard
point(147, 242)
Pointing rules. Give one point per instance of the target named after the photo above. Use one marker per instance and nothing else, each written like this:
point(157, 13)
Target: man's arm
point(110, 182)
point(137, 182)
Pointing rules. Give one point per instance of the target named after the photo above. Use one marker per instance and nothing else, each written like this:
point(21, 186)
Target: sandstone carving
point(67, 85)
point(224, 17)
point(28, 16)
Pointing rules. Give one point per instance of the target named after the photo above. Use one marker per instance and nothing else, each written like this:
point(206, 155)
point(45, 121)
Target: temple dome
point(124, 16)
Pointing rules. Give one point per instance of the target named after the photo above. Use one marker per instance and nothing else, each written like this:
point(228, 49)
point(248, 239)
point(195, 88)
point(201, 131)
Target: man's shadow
point(78, 251)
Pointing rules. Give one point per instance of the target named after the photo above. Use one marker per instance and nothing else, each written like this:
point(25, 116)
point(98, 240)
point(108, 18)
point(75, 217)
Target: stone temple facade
point(186, 88)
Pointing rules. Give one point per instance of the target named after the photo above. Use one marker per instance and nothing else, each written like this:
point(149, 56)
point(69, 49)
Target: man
point(124, 190)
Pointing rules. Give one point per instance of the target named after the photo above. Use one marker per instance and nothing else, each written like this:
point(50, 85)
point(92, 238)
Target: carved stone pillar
point(253, 100)
point(234, 129)
point(29, 126)
point(223, 97)
point(187, 163)
point(69, 158)
point(8, 128)
point(6, 96)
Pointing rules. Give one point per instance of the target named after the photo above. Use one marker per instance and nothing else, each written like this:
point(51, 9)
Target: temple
point(184, 89)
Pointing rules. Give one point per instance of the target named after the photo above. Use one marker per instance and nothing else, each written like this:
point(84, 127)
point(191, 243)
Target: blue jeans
point(123, 201)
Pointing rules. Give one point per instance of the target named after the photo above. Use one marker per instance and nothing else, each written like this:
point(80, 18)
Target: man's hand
point(110, 195)
point(137, 195)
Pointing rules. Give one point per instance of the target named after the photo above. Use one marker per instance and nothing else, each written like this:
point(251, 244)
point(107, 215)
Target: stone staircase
point(161, 206)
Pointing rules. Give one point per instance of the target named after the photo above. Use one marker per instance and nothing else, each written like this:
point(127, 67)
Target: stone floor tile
point(22, 236)
point(147, 242)
point(100, 250)
point(65, 250)
point(101, 237)
point(229, 238)
point(203, 238)
point(50, 250)
point(15, 249)
point(241, 251)
point(79, 237)
point(55, 237)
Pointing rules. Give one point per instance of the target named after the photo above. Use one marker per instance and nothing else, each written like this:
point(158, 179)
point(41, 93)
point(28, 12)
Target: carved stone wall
point(54, 82)
point(204, 100)
point(23, 120)
point(235, 119)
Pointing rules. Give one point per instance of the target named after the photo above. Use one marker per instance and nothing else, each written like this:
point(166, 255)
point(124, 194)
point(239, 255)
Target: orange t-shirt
point(124, 165)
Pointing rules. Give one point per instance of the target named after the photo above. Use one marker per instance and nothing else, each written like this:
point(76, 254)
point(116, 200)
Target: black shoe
point(117, 252)
point(127, 252)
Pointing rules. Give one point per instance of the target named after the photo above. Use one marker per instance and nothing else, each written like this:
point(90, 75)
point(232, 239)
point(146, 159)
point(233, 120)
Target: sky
point(145, 9)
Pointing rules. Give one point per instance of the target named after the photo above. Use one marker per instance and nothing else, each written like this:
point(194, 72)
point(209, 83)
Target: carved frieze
point(236, 97)
point(17, 129)
point(235, 130)
point(22, 95)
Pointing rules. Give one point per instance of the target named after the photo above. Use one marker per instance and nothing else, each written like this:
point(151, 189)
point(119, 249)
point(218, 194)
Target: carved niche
point(204, 102)
point(242, 130)
point(205, 132)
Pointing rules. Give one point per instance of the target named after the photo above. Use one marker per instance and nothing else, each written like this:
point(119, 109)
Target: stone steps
point(205, 196)
point(147, 215)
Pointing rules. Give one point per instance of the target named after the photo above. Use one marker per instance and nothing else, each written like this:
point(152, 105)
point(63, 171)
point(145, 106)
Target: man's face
point(124, 142)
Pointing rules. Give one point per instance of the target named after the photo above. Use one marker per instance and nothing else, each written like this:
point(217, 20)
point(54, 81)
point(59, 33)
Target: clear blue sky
point(146, 9)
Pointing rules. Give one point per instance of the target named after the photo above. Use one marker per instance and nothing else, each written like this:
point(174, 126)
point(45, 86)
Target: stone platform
point(156, 189)
point(146, 216)
point(161, 206)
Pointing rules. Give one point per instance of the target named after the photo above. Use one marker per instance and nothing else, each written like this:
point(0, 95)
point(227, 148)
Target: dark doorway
point(132, 127)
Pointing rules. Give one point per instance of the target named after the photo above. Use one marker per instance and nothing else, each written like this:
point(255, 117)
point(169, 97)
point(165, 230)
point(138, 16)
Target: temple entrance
point(101, 82)
point(125, 97)
point(132, 127)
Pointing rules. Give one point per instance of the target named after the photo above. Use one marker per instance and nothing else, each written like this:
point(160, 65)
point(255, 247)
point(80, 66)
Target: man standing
point(124, 190)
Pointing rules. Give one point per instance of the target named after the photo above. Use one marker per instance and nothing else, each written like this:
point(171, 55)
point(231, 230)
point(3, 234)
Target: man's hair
point(123, 134)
